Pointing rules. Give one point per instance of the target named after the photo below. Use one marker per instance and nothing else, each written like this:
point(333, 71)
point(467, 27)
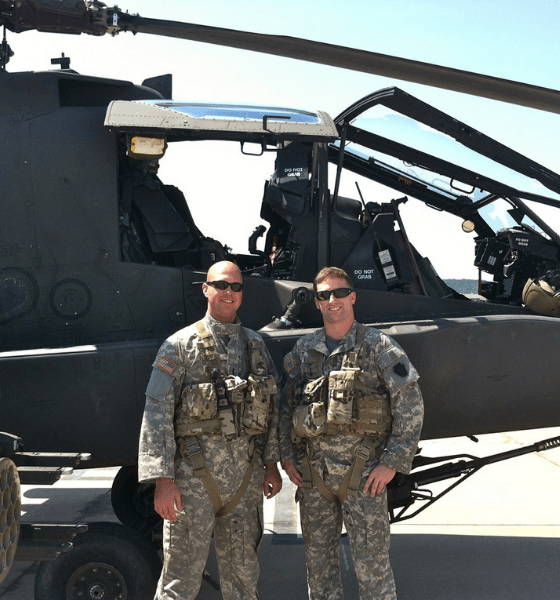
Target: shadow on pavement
point(455, 567)
point(427, 567)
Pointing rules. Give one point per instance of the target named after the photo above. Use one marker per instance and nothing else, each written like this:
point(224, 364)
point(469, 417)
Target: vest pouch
point(258, 403)
point(237, 389)
point(341, 397)
point(199, 402)
point(374, 416)
point(309, 420)
point(227, 422)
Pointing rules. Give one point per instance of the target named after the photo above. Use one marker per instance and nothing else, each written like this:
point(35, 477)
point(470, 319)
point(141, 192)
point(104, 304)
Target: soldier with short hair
point(351, 417)
point(210, 422)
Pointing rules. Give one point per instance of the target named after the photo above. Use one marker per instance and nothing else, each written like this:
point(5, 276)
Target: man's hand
point(272, 480)
point(293, 473)
point(378, 479)
point(167, 498)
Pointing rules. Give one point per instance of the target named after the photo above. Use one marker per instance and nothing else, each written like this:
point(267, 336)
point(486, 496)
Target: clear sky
point(514, 39)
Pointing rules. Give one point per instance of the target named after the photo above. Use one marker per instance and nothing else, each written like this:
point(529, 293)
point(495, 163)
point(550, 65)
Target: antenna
point(63, 61)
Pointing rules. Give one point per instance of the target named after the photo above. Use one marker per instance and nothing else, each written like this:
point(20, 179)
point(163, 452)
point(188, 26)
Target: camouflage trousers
point(237, 535)
point(367, 523)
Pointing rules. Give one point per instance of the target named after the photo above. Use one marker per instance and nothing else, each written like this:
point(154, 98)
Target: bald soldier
point(209, 442)
point(351, 418)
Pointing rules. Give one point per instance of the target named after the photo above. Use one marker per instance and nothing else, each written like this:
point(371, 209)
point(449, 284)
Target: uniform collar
point(346, 343)
point(221, 328)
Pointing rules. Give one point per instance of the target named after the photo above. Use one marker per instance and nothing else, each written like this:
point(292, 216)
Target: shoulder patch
point(400, 370)
point(289, 364)
point(165, 364)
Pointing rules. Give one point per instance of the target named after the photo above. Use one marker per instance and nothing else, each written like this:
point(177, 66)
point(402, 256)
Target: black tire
point(10, 515)
point(133, 502)
point(109, 561)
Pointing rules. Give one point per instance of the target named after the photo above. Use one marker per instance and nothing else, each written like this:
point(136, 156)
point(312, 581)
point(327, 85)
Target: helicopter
point(102, 259)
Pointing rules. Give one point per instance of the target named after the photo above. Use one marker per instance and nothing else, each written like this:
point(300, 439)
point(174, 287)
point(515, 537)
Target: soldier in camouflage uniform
point(351, 416)
point(210, 422)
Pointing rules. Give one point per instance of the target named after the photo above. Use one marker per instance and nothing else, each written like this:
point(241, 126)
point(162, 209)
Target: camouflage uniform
point(181, 363)
point(387, 370)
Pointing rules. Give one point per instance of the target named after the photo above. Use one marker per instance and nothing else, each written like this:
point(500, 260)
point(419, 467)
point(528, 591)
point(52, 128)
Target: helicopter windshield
point(495, 213)
point(406, 131)
point(235, 112)
point(392, 132)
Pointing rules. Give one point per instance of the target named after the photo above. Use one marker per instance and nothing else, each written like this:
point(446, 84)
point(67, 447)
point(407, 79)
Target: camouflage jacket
point(385, 368)
point(179, 364)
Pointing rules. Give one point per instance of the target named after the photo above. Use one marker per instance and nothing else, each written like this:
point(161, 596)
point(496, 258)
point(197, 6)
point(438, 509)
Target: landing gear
point(10, 514)
point(133, 502)
point(109, 561)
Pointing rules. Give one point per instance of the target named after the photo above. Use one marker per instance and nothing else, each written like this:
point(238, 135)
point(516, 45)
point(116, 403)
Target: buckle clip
point(193, 449)
point(363, 450)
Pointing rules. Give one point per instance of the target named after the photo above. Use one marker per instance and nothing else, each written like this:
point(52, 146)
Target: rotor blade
point(475, 84)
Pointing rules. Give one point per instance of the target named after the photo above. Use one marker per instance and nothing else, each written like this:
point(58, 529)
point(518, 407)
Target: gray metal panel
point(98, 389)
point(485, 374)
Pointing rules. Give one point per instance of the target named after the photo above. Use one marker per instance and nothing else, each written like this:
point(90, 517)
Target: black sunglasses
point(223, 285)
point(338, 293)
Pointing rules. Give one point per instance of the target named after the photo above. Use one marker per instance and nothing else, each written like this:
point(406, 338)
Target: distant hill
point(463, 286)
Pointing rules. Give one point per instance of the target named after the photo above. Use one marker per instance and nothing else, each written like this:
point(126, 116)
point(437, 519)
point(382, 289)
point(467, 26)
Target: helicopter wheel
point(133, 502)
point(10, 515)
point(109, 561)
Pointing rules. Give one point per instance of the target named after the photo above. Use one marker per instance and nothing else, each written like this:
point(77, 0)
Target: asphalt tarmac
point(494, 537)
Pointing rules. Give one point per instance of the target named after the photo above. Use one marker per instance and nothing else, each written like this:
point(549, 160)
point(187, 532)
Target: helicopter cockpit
point(157, 223)
point(311, 217)
point(401, 143)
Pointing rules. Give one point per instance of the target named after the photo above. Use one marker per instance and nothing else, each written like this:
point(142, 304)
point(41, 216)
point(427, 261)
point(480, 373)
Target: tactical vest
point(341, 401)
point(227, 404)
